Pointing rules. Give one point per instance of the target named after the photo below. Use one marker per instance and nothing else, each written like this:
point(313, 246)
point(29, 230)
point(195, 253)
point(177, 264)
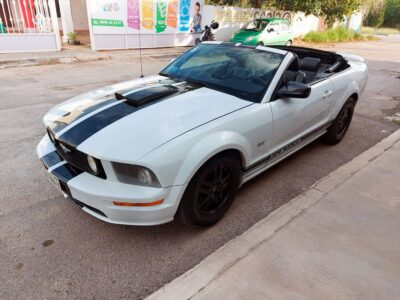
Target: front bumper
point(96, 195)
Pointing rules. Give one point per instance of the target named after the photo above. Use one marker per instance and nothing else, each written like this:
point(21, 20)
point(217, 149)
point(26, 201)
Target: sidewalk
point(339, 240)
point(80, 54)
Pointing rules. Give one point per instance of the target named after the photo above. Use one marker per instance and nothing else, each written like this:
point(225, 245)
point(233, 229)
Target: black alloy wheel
point(210, 192)
point(341, 124)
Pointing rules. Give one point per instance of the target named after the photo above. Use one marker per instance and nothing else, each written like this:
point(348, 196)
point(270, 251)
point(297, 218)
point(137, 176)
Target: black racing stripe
point(77, 114)
point(95, 123)
point(93, 105)
point(66, 172)
point(51, 159)
point(102, 119)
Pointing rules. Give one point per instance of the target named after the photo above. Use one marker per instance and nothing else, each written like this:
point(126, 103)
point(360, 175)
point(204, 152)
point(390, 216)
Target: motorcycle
point(208, 35)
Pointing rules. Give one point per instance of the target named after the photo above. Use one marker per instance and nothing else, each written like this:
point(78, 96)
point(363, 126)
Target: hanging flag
point(184, 15)
point(172, 13)
point(133, 14)
point(161, 16)
point(148, 14)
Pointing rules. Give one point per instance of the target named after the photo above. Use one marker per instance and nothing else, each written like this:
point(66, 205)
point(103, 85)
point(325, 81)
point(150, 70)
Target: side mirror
point(270, 29)
point(294, 89)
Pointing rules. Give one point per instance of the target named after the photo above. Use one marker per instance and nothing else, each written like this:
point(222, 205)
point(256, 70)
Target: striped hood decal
point(80, 124)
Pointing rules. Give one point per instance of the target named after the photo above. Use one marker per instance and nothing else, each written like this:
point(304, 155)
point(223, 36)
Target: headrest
point(310, 64)
point(295, 64)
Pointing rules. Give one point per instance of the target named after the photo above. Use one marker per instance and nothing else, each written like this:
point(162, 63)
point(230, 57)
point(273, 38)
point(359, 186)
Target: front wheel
point(210, 193)
point(341, 124)
point(289, 43)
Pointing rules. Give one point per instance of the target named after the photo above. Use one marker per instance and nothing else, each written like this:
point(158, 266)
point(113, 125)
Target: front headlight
point(137, 175)
point(92, 164)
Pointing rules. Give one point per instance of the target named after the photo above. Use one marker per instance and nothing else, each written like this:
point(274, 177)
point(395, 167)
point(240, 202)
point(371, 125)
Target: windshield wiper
point(196, 82)
point(165, 74)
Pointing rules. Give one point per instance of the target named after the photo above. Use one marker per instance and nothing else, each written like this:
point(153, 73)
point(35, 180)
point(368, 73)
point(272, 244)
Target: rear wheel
point(288, 43)
point(341, 124)
point(260, 44)
point(210, 193)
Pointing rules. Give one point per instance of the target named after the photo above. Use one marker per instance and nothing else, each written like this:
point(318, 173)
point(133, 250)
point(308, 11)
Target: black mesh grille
point(77, 159)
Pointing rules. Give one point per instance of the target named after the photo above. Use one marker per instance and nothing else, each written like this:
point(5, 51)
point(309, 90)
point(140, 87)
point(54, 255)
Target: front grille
point(76, 158)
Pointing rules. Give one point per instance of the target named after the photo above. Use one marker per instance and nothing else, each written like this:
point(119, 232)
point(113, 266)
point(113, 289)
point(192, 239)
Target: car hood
point(242, 35)
point(98, 124)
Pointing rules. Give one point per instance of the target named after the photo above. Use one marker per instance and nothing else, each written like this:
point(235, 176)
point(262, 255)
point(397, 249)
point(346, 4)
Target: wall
point(79, 14)
point(231, 19)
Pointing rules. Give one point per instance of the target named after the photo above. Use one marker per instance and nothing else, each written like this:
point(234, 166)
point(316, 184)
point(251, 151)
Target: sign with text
point(144, 16)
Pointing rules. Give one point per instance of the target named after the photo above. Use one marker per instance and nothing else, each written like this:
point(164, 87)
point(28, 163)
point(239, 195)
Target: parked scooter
point(208, 35)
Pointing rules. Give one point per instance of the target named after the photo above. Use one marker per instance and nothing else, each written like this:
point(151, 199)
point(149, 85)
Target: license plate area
point(55, 181)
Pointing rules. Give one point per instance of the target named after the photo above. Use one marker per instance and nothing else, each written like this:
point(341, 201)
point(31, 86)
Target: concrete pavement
point(51, 249)
point(338, 240)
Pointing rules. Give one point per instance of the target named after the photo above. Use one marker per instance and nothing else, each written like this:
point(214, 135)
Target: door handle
point(327, 94)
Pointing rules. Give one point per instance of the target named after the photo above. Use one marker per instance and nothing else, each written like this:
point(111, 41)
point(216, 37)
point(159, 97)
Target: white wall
point(231, 19)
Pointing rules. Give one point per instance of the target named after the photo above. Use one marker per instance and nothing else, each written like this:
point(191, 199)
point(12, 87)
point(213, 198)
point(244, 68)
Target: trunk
point(258, 3)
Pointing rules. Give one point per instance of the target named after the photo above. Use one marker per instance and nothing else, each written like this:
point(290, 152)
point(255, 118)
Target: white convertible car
point(179, 144)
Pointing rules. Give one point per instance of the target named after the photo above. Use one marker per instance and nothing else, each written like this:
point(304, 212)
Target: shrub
point(339, 34)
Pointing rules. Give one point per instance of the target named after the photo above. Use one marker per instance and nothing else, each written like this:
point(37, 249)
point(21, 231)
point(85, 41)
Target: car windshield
point(255, 25)
point(242, 72)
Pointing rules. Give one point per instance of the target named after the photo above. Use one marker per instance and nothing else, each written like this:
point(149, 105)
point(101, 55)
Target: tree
point(331, 10)
point(335, 10)
point(392, 13)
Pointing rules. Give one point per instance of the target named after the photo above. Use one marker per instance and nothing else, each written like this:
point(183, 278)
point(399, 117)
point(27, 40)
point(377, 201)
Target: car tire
point(260, 44)
point(289, 43)
point(210, 192)
point(341, 124)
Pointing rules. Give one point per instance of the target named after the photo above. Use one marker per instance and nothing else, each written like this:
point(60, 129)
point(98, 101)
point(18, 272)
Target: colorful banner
point(133, 14)
point(172, 13)
point(148, 14)
point(161, 16)
point(184, 16)
point(142, 16)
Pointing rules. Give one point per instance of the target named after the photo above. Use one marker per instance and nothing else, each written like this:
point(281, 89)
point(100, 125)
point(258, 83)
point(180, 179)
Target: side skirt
point(279, 155)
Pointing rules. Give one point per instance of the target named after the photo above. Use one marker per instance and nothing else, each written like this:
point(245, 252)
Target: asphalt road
point(49, 248)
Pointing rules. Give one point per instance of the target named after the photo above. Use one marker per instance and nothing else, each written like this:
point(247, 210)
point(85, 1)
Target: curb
point(79, 58)
point(50, 61)
point(197, 278)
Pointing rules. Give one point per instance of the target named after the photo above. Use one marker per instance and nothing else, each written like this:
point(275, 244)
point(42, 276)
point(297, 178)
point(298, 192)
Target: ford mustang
point(179, 144)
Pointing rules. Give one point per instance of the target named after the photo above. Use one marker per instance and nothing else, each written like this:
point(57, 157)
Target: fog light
point(92, 164)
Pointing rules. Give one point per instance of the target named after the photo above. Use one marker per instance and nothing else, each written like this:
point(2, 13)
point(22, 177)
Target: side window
point(284, 26)
point(275, 26)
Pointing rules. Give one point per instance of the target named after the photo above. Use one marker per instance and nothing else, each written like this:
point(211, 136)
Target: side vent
point(150, 94)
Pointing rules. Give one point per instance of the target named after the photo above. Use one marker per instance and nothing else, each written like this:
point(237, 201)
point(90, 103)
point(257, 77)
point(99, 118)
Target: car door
point(271, 33)
point(296, 118)
point(284, 32)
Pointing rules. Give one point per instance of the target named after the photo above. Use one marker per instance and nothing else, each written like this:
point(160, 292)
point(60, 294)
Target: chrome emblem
point(65, 149)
